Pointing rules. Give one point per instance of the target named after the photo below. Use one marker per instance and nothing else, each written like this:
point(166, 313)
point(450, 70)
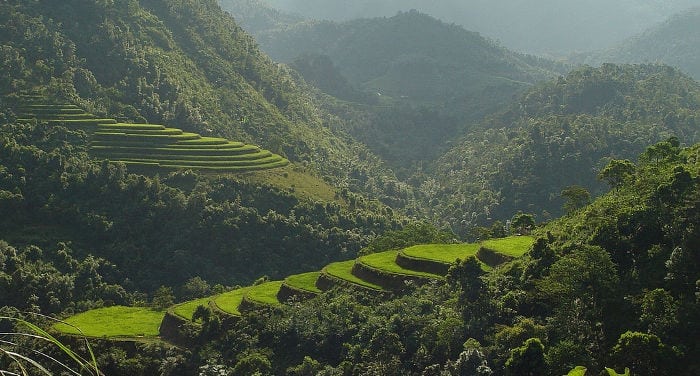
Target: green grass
point(211, 163)
point(165, 131)
point(213, 169)
point(304, 184)
point(82, 122)
point(131, 126)
point(186, 309)
point(117, 321)
point(304, 282)
point(207, 141)
point(230, 301)
point(386, 261)
point(190, 158)
point(445, 253)
point(265, 293)
point(343, 270)
point(119, 146)
point(153, 146)
point(513, 246)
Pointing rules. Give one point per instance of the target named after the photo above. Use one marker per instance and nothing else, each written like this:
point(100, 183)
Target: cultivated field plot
point(304, 282)
point(386, 262)
point(343, 271)
point(444, 253)
point(117, 321)
point(264, 293)
point(512, 246)
point(154, 146)
point(230, 302)
point(186, 309)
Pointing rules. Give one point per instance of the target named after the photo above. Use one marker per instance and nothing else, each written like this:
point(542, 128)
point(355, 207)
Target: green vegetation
point(386, 262)
point(396, 78)
point(187, 309)
point(673, 42)
point(304, 282)
point(264, 293)
point(229, 302)
point(612, 283)
point(560, 133)
point(153, 145)
point(512, 246)
point(116, 321)
point(445, 253)
point(343, 270)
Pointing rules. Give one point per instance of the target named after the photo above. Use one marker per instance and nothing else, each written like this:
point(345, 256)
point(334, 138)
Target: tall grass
point(25, 361)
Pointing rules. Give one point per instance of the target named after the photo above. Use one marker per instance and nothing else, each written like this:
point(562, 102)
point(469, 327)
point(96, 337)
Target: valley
point(224, 188)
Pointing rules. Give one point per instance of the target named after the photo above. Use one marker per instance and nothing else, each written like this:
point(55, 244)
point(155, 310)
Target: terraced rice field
point(155, 146)
point(264, 293)
point(512, 246)
point(369, 272)
point(386, 262)
point(343, 271)
point(230, 302)
point(117, 321)
point(445, 253)
point(304, 282)
point(186, 309)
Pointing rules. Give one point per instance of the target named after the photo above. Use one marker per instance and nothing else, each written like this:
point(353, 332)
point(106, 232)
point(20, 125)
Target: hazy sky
point(554, 27)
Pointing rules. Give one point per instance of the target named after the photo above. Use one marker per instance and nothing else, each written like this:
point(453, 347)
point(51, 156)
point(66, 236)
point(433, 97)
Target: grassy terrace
point(265, 293)
point(304, 282)
point(343, 270)
point(186, 309)
point(154, 146)
point(117, 321)
point(445, 253)
point(230, 301)
point(513, 246)
point(386, 262)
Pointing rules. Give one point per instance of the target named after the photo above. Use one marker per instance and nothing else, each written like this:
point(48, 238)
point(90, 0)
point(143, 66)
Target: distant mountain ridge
point(551, 27)
point(419, 82)
point(675, 42)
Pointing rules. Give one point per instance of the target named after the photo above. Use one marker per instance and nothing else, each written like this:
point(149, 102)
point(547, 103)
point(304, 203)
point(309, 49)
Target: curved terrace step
point(299, 287)
point(435, 258)
point(230, 302)
point(340, 274)
point(381, 269)
point(261, 296)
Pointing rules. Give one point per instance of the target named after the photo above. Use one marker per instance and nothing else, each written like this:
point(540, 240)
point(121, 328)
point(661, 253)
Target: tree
point(523, 223)
point(195, 287)
point(576, 197)
point(163, 298)
point(645, 354)
point(527, 359)
point(617, 172)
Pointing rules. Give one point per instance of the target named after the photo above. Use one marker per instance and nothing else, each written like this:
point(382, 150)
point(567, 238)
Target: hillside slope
point(612, 285)
point(409, 83)
point(675, 42)
point(184, 64)
point(560, 134)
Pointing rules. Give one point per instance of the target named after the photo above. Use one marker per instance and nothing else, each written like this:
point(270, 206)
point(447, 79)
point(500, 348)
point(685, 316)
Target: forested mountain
point(612, 283)
point(611, 286)
point(675, 42)
point(554, 27)
point(183, 64)
point(560, 134)
point(418, 81)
